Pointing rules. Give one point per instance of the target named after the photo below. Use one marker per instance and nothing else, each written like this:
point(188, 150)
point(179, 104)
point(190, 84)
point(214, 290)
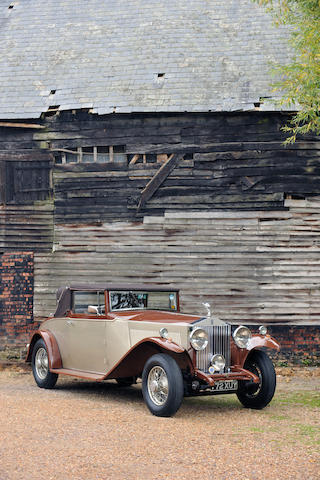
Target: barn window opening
point(295, 196)
point(102, 154)
point(148, 158)
point(87, 154)
point(154, 158)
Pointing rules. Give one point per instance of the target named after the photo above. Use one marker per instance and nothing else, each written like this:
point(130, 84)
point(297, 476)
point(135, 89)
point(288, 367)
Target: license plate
point(225, 385)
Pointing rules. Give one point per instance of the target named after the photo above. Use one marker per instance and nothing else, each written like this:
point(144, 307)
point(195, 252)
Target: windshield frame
point(145, 291)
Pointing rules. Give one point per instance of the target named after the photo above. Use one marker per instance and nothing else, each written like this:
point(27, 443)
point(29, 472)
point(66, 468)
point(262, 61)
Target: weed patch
point(307, 399)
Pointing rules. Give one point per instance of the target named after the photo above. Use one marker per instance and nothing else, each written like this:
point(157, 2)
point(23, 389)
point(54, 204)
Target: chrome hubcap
point(41, 363)
point(158, 385)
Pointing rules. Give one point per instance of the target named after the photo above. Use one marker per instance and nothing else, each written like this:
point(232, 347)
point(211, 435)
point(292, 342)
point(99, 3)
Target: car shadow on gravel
point(96, 389)
point(109, 391)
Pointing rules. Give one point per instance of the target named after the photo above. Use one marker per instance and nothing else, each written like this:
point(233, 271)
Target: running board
point(98, 377)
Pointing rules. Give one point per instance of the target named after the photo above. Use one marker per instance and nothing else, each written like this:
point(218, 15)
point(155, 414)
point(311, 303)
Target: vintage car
point(121, 332)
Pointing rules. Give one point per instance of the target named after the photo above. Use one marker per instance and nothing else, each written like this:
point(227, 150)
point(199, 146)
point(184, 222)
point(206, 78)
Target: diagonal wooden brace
point(158, 178)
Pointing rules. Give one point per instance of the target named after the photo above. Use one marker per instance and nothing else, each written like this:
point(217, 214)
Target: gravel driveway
point(84, 430)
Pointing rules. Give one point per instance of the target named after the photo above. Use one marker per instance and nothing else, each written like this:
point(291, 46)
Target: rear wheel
point(162, 385)
point(258, 395)
point(40, 366)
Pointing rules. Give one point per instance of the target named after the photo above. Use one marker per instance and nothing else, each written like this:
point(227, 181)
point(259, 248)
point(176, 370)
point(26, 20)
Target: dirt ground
point(84, 430)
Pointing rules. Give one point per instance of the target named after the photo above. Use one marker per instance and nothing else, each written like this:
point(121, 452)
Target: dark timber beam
point(21, 125)
point(158, 178)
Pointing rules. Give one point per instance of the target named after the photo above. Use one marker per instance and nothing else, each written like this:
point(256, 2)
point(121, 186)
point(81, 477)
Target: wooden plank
point(27, 228)
point(24, 155)
point(22, 125)
point(134, 159)
point(2, 182)
point(158, 179)
point(191, 147)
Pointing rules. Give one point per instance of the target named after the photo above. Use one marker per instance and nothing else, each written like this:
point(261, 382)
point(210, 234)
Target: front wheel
point(40, 366)
point(162, 385)
point(258, 395)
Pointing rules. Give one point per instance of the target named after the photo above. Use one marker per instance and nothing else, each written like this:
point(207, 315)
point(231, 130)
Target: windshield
point(127, 300)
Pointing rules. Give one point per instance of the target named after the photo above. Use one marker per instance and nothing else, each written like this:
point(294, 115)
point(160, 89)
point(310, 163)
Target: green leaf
point(298, 82)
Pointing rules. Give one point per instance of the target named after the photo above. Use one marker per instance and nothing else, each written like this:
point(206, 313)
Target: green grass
point(274, 422)
point(257, 430)
point(308, 434)
point(309, 430)
point(279, 417)
point(312, 432)
point(307, 399)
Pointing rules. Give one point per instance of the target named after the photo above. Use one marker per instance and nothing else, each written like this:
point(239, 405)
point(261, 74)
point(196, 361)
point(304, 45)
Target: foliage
point(299, 80)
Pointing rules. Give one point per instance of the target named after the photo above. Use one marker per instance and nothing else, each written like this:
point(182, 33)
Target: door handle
point(70, 322)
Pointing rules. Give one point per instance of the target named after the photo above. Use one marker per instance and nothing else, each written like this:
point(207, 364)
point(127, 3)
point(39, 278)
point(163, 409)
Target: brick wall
point(299, 344)
point(16, 298)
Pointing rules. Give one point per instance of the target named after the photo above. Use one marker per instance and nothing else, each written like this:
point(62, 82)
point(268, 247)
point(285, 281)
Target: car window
point(92, 303)
point(126, 300)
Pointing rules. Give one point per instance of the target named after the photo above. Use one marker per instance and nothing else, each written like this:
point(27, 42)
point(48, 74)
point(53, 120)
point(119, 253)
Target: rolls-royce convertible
point(127, 332)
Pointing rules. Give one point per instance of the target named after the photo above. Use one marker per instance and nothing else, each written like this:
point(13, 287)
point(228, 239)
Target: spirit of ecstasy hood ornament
point(208, 307)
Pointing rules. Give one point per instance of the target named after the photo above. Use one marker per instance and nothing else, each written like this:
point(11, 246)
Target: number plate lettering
point(225, 385)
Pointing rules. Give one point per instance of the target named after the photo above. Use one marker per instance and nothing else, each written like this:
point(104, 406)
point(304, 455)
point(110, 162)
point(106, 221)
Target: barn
point(139, 142)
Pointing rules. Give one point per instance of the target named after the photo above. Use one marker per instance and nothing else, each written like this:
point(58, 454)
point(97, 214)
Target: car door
point(85, 343)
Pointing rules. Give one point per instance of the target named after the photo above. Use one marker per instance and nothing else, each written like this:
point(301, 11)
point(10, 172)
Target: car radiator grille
point(219, 342)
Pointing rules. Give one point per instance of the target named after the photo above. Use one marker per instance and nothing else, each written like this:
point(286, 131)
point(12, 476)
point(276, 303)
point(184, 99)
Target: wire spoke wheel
point(40, 366)
point(41, 363)
point(158, 387)
point(162, 385)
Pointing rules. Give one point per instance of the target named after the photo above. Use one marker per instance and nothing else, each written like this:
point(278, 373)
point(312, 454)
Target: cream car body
point(122, 332)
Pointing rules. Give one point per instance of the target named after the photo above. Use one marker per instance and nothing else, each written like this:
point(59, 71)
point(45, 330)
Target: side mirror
point(93, 309)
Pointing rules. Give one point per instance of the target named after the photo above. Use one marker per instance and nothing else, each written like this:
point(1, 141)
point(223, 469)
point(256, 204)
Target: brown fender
point(132, 363)
point(52, 348)
point(260, 341)
point(257, 342)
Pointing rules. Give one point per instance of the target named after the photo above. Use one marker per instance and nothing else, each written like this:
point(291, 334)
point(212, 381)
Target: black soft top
point(64, 294)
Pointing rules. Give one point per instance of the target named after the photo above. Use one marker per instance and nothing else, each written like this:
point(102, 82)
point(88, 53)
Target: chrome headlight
point(218, 362)
point(263, 330)
point(241, 336)
point(164, 333)
point(199, 339)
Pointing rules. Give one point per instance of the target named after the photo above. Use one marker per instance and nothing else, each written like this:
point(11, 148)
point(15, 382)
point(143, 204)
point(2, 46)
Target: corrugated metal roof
point(135, 55)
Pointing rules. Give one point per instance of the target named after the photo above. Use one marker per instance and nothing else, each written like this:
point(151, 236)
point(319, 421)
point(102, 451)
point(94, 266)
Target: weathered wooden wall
point(26, 228)
point(231, 161)
point(26, 204)
point(252, 266)
point(236, 222)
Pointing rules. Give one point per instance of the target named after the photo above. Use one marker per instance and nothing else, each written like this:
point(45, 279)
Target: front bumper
point(236, 373)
